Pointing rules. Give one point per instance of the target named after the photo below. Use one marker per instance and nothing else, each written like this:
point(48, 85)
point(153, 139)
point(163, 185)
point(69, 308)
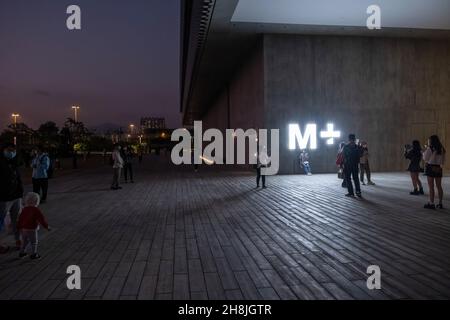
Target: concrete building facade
point(388, 89)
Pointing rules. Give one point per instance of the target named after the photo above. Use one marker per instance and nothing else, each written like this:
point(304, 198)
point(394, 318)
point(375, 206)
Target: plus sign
point(330, 134)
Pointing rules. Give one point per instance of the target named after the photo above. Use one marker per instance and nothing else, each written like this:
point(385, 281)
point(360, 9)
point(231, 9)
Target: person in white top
point(117, 164)
point(434, 157)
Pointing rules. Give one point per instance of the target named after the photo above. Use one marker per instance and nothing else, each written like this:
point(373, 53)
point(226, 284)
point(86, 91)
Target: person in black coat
point(11, 190)
point(414, 155)
point(127, 156)
point(352, 156)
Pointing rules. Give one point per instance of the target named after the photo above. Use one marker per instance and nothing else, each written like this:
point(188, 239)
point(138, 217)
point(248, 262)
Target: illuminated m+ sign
point(310, 135)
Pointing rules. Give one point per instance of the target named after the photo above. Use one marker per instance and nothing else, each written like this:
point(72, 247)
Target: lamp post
point(75, 110)
point(131, 128)
point(15, 116)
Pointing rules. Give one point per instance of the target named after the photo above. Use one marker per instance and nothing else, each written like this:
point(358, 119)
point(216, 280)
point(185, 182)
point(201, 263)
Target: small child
point(28, 225)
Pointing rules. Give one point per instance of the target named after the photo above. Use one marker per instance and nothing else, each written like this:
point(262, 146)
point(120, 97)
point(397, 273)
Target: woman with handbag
point(434, 157)
point(414, 154)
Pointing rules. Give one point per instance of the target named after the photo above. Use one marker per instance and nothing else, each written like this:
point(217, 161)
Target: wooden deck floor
point(176, 234)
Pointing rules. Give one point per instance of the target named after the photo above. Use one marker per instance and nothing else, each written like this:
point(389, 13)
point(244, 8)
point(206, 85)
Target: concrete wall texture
point(241, 102)
point(388, 91)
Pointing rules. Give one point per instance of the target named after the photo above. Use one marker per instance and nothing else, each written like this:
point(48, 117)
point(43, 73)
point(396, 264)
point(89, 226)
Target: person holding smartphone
point(414, 154)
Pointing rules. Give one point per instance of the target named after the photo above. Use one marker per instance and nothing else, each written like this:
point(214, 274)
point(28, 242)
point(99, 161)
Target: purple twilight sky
point(122, 65)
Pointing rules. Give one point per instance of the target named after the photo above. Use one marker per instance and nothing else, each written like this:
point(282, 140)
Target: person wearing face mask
point(11, 191)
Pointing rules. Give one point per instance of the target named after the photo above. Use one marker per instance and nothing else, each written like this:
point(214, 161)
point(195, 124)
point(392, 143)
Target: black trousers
point(41, 185)
point(128, 170)
point(349, 174)
point(259, 176)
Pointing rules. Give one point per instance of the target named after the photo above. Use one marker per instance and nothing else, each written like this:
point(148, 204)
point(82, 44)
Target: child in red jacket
point(29, 221)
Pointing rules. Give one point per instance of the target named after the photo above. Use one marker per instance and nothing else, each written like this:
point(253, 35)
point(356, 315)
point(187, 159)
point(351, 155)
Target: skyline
point(108, 68)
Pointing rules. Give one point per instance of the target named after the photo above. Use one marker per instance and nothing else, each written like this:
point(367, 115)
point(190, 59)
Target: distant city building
point(153, 123)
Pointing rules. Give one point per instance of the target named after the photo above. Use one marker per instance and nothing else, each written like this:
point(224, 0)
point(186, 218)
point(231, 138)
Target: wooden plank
point(214, 286)
point(148, 288)
point(165, 277)
point(196, 276)
point(131, 287)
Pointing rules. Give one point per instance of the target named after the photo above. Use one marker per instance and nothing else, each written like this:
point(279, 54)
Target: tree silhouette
point(74, 132)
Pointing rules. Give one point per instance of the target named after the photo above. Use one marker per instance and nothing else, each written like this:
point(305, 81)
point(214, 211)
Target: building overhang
point(218, 33)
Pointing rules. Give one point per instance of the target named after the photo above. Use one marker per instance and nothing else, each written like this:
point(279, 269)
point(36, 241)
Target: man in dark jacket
point(127, 156)
point(352, 155)
point(11, 190)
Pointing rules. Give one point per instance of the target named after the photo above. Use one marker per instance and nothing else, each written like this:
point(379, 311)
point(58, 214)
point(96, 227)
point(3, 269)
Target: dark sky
point(122, 65)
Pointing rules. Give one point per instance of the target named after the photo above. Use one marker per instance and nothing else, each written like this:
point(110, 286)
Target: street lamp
point(75, 110)
point(131, 128)
point(15, 116)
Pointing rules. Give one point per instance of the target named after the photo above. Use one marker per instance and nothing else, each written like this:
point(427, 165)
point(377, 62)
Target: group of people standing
point(24, 222)
point(122, 159)
point(433, 155)
point(353, 163)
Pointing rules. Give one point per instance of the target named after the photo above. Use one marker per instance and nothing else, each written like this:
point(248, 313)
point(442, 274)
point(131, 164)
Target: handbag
point(341, 174)
point(340, 158)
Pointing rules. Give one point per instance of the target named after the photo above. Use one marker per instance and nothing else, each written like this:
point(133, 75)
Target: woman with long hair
point(434, 157)
point(414, 154)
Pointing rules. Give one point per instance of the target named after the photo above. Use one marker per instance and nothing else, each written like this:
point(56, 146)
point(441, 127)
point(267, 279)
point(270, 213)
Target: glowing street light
point(131, 128)
point(75, 110)
point(15, 116)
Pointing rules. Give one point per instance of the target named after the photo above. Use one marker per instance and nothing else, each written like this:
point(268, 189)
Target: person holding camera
point(434, 157)
point(414, 154)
